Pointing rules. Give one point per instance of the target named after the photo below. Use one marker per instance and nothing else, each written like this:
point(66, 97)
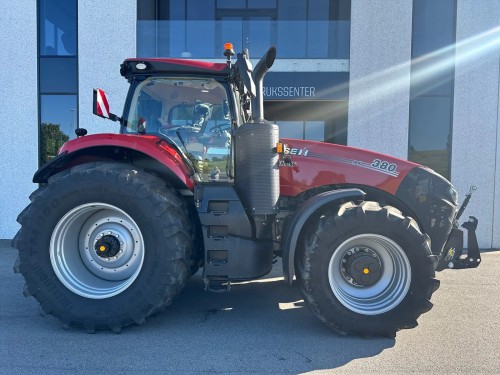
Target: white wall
point(475, 156)
point(379, 89)
point(106, 37)
point(18, 110)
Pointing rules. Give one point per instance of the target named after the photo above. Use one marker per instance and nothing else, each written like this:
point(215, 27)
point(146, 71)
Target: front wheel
point(366, 270)
point(104, 245)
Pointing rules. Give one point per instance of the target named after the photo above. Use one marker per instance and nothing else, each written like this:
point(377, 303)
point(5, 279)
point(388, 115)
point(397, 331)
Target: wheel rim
point(97, 250)
point(380, 292)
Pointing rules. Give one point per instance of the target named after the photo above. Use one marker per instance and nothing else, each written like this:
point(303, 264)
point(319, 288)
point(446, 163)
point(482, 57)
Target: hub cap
point(97, 250)
point(369, 274)
point(361, 266)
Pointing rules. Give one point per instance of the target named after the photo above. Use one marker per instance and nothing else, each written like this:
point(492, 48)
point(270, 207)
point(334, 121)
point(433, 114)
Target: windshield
point(193, 113)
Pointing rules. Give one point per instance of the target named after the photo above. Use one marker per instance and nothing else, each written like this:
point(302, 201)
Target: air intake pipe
point(258, 74)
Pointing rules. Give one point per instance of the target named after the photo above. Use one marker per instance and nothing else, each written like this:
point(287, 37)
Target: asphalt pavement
point(260, 327)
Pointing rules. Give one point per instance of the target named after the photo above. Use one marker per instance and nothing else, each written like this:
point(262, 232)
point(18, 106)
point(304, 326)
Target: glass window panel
point(336, 130)
point(232, 31)
point(291, 129)
point(293, 10)
point(57, 23)
point(146, 10)
point(262, 4)
point(259, 35)
point(318, 10)
point(146, 38)
point(58, 123)
point(430, 119)
point(315, 130)
point(340, 39)
point(163, 39)
point(200, 9)
point(231, 4)
point(433, 26)
point(178, 10)
point(200, 39)
point(292, 39)
point(317, 39)
point(177, 36)
point(433, 76)
point(58, 75)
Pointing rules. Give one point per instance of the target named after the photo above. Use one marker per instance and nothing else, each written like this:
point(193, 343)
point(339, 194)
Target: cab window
point(193, 113)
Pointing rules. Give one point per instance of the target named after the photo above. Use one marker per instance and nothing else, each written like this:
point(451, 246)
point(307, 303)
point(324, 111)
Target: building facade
point(417, 79)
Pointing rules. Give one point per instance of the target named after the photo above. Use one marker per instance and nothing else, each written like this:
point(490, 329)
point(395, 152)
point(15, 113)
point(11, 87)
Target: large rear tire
point(366, 270)
point(104, 245)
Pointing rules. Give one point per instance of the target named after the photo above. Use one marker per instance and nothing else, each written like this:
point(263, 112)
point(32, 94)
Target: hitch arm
point(453, 259)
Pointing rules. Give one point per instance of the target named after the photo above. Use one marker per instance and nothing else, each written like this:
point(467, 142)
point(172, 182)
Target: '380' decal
point(378, 165)
point(384, 165)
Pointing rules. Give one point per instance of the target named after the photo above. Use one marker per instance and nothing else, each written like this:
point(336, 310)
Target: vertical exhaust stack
point(256, 162)
point(258, 77)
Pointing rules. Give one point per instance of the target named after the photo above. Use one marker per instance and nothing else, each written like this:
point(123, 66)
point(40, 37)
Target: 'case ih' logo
point(295, 151)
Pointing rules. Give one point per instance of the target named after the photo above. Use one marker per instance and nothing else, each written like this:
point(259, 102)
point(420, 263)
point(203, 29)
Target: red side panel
point(308, 164)
point(146, 144)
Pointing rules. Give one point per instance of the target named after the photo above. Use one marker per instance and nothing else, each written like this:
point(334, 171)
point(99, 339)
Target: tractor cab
point(193, 113)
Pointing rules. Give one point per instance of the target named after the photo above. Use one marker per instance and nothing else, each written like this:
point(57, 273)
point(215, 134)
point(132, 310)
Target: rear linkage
point(451, 256)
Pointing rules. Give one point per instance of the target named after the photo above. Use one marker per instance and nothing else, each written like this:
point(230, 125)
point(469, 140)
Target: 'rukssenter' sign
point(306, 86)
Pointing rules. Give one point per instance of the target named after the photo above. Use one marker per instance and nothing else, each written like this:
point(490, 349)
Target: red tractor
point(198, 179)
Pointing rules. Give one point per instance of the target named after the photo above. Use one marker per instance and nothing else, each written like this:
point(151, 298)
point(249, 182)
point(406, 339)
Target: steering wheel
point(219, 129)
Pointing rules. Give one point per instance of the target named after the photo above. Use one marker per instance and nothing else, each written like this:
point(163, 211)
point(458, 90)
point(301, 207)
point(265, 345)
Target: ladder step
point(217, 285)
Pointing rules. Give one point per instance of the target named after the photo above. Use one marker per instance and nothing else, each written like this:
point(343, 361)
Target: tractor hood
point(427, 196)
point(306, 164)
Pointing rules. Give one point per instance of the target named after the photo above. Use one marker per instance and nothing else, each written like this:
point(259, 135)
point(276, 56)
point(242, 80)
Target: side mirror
point(100, 105)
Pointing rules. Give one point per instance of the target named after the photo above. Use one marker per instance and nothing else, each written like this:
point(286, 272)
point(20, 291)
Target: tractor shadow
point(259, 326)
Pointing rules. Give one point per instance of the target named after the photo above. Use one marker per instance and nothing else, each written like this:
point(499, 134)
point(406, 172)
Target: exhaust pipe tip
point(264, 64)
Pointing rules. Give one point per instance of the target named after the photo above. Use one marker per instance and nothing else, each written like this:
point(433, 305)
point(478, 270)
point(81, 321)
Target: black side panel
point(231, 250)
point(433, 199)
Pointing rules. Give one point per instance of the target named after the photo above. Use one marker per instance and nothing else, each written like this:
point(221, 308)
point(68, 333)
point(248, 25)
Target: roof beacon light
point(228, 52)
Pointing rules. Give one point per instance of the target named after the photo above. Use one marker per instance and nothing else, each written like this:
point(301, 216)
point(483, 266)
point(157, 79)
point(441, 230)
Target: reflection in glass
point(315, 130)
point(58, 123)
point(259, 35)
point(291, 129)
point(430, 132)
point(58, 75)
point(232, 31)
point(431, 94)
point(296, 39)
point(57, 24)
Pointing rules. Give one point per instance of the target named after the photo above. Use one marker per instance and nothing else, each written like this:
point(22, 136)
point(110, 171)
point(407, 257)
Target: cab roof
point(153, 66)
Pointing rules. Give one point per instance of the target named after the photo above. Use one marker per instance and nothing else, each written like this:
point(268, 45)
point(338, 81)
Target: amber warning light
point(228, 52)
point(279, 148)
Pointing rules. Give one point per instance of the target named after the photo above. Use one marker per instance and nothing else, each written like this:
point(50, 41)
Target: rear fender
point(149, 152)
point(312, 206)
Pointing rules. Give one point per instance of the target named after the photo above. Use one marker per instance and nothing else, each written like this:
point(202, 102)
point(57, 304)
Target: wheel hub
point(361, 267)
point(107, 246)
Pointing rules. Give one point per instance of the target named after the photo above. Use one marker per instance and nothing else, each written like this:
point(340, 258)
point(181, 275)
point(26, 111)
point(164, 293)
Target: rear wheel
point(104, 245)
point(366, 270)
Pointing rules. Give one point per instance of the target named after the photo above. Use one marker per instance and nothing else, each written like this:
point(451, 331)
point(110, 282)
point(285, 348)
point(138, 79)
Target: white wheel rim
point(74, 250)
point(387, 291)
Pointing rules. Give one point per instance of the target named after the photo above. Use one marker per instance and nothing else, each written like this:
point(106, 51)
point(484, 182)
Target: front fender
point(117, 147)
point(309, 208)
